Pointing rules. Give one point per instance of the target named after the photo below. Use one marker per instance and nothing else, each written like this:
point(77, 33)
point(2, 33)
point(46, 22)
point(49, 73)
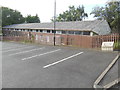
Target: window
point(86, 33)
point(64, 32)
point(53, 31)
point(78, 32)
point(70, 32)
point(48, 31)
point(41, 30)
point(19, 30)
point(58, 32)
point(11, 29)
point(36, 30)
point(44, 31)
point(31, 30)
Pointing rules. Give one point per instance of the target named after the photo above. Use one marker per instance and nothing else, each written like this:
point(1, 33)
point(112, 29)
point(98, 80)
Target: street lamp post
point(54, 20)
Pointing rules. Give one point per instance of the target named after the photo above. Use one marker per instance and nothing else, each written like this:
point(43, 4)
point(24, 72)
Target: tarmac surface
point(111, 75)
point(41, 66)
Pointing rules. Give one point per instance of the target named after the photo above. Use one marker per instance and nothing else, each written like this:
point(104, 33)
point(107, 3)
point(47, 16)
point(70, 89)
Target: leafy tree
point(0, 20)
point(73, 14)
point(110, 13)
point(32, 19)
point(0, 16)
point(10, 16)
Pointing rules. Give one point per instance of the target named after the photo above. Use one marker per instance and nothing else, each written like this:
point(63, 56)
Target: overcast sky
point(45, 8)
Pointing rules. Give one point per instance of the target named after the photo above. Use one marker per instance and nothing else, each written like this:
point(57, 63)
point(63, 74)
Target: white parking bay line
point(41, 54)
point(18, 49)
point(8, 48)
point(13, 47)
point(62, 60)
point(25, 51)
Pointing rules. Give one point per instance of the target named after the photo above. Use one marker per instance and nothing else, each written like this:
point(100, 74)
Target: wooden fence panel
point(61, 39)
point(97, 40)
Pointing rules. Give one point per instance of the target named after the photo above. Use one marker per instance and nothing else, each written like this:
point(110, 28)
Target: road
point(41, 66)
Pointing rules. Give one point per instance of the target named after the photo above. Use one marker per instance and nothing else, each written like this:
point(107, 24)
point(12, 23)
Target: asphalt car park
point(42, 66)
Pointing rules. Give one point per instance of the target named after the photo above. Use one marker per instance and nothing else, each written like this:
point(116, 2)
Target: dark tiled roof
point(98, 26)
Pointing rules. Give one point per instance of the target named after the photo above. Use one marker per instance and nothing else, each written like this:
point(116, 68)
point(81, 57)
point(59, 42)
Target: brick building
point(86, 34)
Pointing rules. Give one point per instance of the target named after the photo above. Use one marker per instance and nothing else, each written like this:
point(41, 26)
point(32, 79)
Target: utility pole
point(54, 20)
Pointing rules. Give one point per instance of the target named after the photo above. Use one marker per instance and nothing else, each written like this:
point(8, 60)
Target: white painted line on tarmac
point(9, 48)
point(17, 49)
point(25, 51)
point(62, 60)
point(41, 54)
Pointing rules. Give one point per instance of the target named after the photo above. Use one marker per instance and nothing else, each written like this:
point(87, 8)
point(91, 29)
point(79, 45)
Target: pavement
point(42, 66)
point(111, 75)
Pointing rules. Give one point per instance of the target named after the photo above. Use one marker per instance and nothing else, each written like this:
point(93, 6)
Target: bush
point(117, 45)
point(0, 31)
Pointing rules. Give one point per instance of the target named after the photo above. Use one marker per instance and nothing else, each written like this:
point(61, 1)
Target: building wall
point(71, 32)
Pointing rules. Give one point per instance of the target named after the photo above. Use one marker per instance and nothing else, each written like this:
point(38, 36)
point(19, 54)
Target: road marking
point(12, 47)
point(41, 54)
point(106, 71)
point(25, 51)
point(7, 48)
point(17, 49)
point(62, 60)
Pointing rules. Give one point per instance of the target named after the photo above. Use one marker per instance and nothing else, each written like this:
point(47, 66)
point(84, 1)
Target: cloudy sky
point(45, 8)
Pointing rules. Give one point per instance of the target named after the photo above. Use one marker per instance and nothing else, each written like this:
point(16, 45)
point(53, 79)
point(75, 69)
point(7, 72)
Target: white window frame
point(58, 32)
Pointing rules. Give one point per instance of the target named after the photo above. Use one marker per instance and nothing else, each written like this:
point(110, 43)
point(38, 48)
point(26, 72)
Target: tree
point(0, 19)
point(110, 13)
point(73, 14)
point(10, 16)
point(32, 19)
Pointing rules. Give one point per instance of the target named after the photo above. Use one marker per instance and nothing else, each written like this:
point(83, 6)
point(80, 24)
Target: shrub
point(117, 45)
